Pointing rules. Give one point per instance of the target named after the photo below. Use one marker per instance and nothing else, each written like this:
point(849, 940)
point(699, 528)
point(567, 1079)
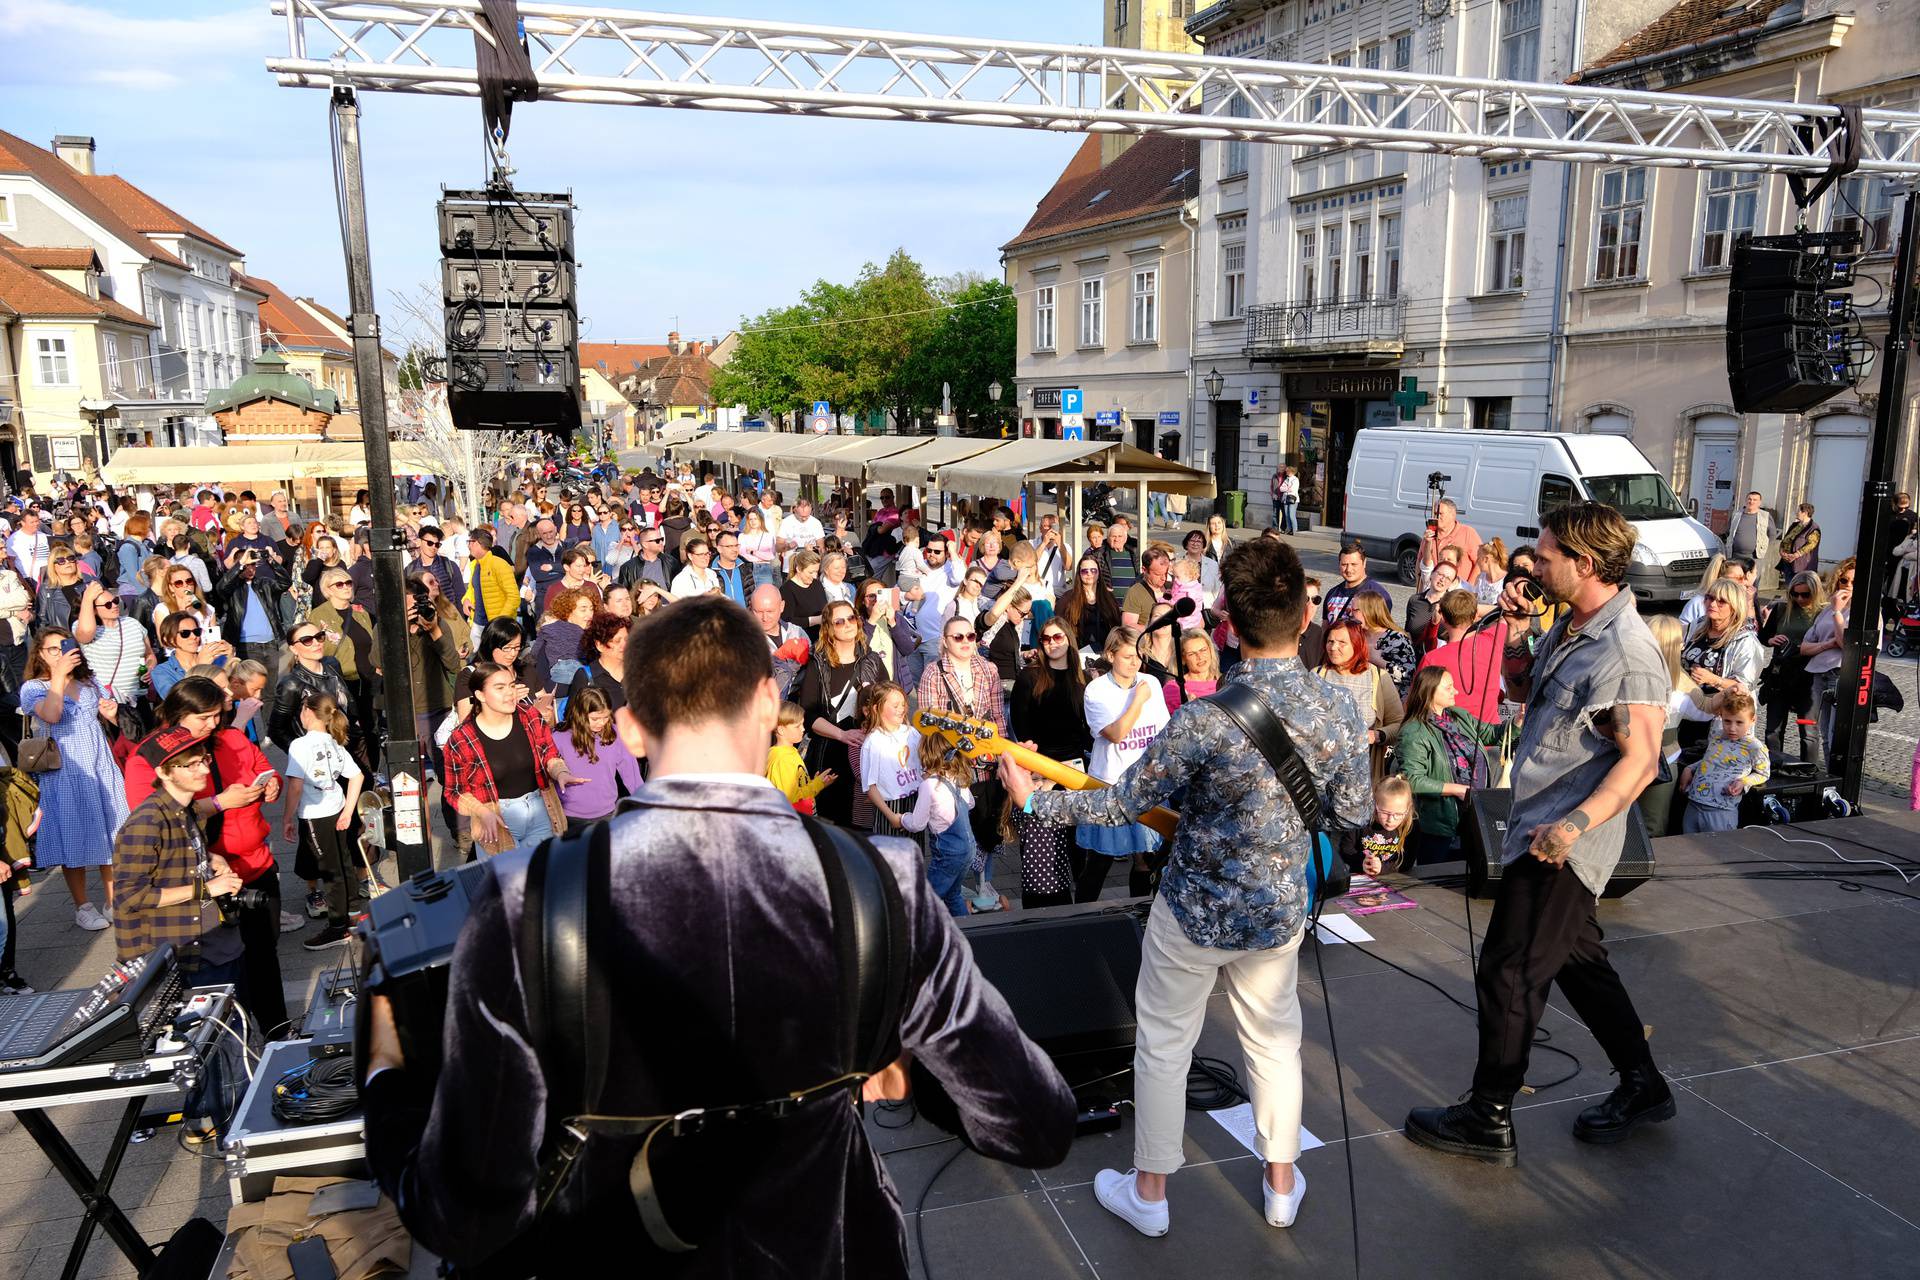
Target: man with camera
point(721, 981)
point(254, 610)
point(166, 879)
point(1445, 530)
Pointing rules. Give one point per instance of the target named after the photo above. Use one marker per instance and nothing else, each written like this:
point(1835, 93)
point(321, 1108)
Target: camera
point(1436, 479)
point(422, 606)
point(232, 904)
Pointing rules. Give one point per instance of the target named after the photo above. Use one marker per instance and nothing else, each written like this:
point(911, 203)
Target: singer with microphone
point(1596, 706)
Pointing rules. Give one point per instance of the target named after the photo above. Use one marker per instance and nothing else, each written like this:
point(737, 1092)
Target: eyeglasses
point(184, 632)
point(701, 552)
point(964, 637)
point(1313, 599)
point(429, 542)
point(312, 639)
point(1090, 571)
point(1056, 638)
point(63, 560)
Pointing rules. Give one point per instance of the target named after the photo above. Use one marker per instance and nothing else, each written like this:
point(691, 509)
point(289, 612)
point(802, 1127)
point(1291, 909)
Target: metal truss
point(605, 55)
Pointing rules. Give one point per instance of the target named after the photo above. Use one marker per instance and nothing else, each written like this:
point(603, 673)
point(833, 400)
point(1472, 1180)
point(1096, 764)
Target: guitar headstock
point(973, 736)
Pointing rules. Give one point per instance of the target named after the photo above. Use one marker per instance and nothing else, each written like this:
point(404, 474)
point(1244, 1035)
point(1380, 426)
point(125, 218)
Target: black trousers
point(260, 985)
point(1544, 931)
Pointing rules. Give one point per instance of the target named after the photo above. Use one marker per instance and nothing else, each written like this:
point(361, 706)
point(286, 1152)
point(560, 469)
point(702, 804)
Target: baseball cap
point(164, 744)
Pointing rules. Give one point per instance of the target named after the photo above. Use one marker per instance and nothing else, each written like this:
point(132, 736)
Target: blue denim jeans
point(526, 818)
point(1289, 517)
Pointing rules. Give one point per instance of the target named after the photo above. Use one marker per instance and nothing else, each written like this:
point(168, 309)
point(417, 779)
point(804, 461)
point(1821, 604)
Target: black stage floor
point(1784, 1012)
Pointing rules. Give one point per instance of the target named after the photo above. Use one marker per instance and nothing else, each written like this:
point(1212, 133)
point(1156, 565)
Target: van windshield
point(1637, 497)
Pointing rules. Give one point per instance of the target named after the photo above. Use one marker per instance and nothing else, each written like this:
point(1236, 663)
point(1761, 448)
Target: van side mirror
point(1693, 507)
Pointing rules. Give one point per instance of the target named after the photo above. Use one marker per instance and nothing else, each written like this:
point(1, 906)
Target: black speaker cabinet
point(1795, 784)
point(1069, 980)
point(1484, 832)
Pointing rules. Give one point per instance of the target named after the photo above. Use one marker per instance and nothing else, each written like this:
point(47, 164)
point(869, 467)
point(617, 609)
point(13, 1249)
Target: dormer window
point(93, 284)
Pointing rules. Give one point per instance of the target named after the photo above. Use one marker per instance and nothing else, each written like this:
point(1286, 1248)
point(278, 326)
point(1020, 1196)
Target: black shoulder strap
point(1246, 708)
point(568, 884)
point(870, 944)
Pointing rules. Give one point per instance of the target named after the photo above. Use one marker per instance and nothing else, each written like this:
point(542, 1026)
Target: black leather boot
point(1481, 1128)
point(1641, 1097)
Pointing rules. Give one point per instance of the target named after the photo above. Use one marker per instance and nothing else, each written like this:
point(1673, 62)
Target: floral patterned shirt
point(1236, 875)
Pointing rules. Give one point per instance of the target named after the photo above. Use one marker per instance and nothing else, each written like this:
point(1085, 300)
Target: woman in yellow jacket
point(491, 590)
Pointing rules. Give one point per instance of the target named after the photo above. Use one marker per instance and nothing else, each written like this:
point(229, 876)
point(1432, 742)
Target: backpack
point(568, 896)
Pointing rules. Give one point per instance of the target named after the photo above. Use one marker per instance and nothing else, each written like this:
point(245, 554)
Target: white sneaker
point(289, 922)
point(1120, 1195)
point(1283, 1206)
point(88, 917)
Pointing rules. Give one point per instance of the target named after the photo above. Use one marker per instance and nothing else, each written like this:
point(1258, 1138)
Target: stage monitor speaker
point(1069, 981)
point(1798, 788)
point(1484, 832)
point(1790, 334)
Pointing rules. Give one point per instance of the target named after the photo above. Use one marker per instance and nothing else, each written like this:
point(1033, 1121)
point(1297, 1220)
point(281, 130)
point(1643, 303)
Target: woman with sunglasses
point(1048, 709)
point(183, 636)
point(578, 527)
point(1088, 606)
point(81, 803)
point(323, 553)
point(62, 589)
point(183, 595)
point(1786, 691)
point(309, 671)
point(116, 648)
point(829, 693)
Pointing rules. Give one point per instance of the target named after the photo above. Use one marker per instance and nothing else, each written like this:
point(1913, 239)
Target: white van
point(1503, 480)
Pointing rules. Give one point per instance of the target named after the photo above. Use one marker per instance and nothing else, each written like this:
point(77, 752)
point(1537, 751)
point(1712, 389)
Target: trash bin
point(1236, 508)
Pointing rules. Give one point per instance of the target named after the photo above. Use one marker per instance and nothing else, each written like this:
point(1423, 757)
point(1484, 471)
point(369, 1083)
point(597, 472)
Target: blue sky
point(698, 215)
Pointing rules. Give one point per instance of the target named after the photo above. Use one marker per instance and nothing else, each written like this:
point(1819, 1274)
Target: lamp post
point(993, 393)
point(1213, 384)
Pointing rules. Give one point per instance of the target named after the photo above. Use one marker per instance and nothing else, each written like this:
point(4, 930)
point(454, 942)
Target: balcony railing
point(1346, 326)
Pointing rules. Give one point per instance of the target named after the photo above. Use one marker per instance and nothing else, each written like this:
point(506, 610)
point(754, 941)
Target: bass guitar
point(979, 739)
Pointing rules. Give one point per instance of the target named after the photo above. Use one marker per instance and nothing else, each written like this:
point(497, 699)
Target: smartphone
point(262, 778)
point(310, 1260)
point(69, 645)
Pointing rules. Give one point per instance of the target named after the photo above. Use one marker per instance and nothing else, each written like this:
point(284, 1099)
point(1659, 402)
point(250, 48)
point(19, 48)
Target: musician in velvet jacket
point(724, 990)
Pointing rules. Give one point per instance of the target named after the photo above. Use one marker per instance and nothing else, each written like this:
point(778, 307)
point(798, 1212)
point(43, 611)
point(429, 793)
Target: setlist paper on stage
point(1339, 928)
point(1238, 1121)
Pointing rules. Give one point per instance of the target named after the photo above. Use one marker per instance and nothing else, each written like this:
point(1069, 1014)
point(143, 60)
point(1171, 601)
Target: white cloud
point(60, 43)
point(137, 78)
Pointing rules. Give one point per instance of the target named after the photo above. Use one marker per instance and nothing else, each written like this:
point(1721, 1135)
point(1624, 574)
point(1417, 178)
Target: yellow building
point(605, 414)
point(70, 355)
point(1153, 26)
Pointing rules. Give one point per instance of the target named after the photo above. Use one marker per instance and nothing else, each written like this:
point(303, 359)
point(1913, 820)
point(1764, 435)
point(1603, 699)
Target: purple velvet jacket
point(728, 994)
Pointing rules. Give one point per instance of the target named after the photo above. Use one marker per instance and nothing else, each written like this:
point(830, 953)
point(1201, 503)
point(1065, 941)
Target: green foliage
point(884, 342)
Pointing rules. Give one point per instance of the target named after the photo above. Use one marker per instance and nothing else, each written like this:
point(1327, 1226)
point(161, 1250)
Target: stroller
point(1905, 637)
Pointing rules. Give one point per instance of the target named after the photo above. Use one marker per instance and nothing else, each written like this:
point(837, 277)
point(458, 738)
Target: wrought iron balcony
point(1370, 328)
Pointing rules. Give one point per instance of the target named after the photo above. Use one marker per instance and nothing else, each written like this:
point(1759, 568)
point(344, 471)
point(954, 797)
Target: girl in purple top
point(594, 752)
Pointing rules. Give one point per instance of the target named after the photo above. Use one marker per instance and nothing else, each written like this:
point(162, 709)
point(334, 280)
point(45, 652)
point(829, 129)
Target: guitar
point(980, 740)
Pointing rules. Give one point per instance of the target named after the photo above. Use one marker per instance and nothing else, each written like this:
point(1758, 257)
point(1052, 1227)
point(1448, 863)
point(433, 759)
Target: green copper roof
point(269, 380)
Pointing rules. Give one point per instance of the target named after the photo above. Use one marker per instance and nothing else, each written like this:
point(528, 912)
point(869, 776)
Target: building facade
point(1649, 256)
point(1102, 276)
point(176, 274)
point(1327, 276)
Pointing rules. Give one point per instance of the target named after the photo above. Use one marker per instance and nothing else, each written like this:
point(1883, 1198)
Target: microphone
point(1529, 591)
point(1181, 609)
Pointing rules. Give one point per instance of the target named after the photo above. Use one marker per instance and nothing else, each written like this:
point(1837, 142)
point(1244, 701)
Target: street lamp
point(993, 393)
point(1214, 384)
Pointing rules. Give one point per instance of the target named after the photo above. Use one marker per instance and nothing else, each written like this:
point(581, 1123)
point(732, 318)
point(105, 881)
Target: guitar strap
point(1328, 876)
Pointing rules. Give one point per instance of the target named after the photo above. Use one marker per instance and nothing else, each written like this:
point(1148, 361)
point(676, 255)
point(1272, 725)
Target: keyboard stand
point(94, 1189)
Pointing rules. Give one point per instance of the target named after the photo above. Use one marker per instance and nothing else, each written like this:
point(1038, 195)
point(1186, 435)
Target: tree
point(970, 348)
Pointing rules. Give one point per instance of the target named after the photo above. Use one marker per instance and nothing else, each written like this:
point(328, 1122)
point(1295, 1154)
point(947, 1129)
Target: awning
point(249, 463)
point(1003, 472)
point(1131, 466)
point(675, 433)
point(916, 466)
point(710, 446)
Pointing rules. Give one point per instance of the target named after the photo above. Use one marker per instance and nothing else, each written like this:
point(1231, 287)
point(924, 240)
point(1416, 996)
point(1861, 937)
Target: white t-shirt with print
point(1105, 703)
point(324, 766)
point(890, 760)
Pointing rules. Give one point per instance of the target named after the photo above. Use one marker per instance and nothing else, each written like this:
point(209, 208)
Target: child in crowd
point(323, 789)
point(890, 755)
point(1380, 846)
point(785, 767)
point(1186, 586)
point(940, 809)
point(248, 681)
point(592, 751)
point(1735, 761)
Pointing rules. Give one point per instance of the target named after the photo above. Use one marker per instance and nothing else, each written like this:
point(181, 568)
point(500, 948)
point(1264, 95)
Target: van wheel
point(1407, 560)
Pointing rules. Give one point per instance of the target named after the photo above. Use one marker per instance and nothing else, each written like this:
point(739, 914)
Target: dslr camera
point(232, 904)
point(420, 607)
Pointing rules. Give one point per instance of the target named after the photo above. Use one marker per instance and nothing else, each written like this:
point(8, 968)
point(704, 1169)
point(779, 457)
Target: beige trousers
point(1176, 980)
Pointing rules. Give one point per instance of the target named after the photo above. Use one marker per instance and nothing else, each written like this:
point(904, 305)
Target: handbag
point(38, 754)
point(1328, 875)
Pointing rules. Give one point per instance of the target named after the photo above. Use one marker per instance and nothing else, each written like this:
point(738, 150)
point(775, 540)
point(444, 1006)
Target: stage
point(1785, 1014)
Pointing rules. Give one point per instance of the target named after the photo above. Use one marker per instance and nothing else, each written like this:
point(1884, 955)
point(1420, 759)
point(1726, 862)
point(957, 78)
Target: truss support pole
point(413, 840)
point(1854, 693)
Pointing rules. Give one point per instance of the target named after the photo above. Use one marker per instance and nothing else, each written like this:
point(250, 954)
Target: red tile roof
point(27, 291)
point(282, 320)
point(617, 359)
point(147, 214)
point(55, 259)
point(1687, 23)
point(17, 155)
point(1154, 174)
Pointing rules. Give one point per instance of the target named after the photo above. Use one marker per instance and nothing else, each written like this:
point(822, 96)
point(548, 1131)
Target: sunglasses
point(180, 582)
point(339, 586)
point(1090, 571)
point(1055, 638)
point(312, 639)
point(183, 632)
point(1801, 595)
point(429, 542)
point(1313, 599)
point(63, 560)
point(106, 604)
point(964, 637)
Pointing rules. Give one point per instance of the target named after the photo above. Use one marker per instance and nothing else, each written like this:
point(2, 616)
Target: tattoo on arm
point(1578, 819)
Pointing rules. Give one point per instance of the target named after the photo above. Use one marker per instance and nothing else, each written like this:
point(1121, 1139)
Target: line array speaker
point(1790, 329)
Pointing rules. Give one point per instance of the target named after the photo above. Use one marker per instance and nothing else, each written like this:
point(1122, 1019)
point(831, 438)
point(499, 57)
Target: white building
point(1328, 276)
point(177, 274)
